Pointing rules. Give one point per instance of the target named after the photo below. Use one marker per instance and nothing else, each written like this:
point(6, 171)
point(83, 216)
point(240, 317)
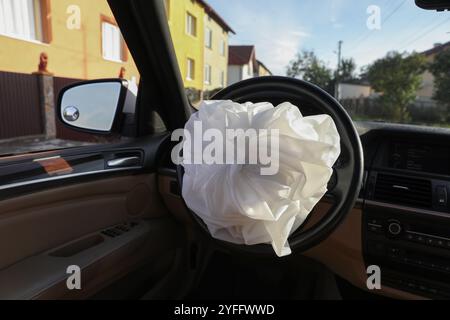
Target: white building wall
point(238, 73)
point(247, 71)
point(352, 91)
point(234, 74)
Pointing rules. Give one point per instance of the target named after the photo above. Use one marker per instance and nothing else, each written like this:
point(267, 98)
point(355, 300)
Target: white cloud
point(335, 11)
point(302, 34)
point(277, 40)
point(275, 44)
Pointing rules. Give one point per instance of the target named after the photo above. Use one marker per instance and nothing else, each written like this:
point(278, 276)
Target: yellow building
point(216, 50)
point(200, 38)
point(262, 69)
point(186, 26)
point(80, 37)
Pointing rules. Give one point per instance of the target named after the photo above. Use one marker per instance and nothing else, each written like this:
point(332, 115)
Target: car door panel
point(53, 217)
point(18, 174)
point(46, 219)
point(55, 205)
point(43, 276)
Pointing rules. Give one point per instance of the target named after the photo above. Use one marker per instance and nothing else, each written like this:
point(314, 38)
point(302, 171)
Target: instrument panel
point(419, 157)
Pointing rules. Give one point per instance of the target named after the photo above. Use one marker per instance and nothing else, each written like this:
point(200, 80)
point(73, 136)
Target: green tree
point(440, 68)
point(308, 67)
point(397, 77)
point(347, 70)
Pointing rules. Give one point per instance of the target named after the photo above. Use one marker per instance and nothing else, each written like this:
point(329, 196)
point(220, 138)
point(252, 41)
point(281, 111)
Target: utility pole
point(338, 69)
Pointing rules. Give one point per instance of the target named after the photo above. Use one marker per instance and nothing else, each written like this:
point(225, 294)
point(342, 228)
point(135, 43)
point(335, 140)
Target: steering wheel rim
point(348, 170)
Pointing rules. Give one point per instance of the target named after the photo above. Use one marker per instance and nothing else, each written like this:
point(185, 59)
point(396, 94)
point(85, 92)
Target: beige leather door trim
point(44, 276)
point(37, 222)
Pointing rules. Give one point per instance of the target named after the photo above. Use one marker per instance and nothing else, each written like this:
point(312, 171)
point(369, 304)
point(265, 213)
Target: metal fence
point(23, 110)
point(63, 132)
point(419, 111)
point(20, 106)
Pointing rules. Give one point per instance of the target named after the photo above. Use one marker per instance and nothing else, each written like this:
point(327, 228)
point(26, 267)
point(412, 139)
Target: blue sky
point(280, 28)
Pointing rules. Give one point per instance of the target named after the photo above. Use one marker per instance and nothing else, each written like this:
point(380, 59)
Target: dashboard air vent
point(403, 190)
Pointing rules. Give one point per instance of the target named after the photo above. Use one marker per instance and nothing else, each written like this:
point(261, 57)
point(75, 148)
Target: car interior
point(117, 211)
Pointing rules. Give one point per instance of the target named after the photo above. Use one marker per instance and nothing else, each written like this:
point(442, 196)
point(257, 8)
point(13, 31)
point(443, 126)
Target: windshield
point(384, 60)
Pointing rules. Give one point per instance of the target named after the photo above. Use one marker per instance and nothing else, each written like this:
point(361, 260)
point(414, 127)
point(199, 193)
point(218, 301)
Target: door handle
point(124, 162)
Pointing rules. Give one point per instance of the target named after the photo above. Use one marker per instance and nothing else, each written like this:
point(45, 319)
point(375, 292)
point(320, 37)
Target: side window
point(222, 48)
point(222, 79)
point(21, 19)
point(112, 42)
point(190, 69)
point(208, 74)
point(208, 38)
point(45, 46)
point(191, 25)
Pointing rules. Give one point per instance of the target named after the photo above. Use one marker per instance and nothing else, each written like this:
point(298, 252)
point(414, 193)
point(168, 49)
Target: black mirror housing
point(97, 106)
point(439, 5)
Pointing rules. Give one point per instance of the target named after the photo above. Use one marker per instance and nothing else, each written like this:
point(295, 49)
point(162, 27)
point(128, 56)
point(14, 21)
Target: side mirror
point(96, 106)
point(439, 5)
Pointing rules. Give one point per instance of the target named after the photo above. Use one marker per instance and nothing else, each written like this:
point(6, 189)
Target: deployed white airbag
point(266, 201)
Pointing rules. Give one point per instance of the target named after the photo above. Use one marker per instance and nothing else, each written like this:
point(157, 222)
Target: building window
point(222, 48)
point(191, 25)
point(222, 79)
point(208, 38)
point(208, 74)
point(250, 69)
point(190, 74)
point(112, 42)
point(21, 19)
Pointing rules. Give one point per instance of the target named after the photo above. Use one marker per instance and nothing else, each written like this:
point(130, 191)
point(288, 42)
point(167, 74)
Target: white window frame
point(19, 20)
point(208, 38)
point(191, 24)
point(112, 50)
point(208, 74)
point(190, 69)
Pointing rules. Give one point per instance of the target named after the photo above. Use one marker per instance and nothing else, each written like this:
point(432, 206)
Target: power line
point(409, 36)
point(394, 11)
point(386, 4)
point(367, 35)
point(412, 34)
point(423, 34)
point(427, 31)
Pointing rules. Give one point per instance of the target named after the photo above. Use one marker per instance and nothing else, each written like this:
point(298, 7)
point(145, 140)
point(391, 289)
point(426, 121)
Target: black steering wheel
point(347, 176)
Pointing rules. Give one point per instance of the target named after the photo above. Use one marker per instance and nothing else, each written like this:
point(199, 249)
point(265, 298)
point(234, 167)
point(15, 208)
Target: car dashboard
point(405, 206)
point(400, 222)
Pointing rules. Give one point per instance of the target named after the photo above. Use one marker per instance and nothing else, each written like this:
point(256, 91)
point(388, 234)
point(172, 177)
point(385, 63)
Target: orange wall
point(72, 53)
